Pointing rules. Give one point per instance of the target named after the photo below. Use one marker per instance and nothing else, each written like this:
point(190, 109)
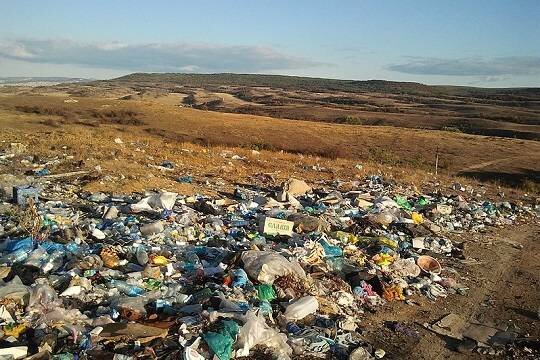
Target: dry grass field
point(165, 129)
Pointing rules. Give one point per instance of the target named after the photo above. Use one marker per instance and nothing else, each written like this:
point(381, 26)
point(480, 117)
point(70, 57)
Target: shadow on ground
point(514, 179)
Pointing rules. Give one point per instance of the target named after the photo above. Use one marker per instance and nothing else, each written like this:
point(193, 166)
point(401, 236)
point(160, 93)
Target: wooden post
point(437, 161)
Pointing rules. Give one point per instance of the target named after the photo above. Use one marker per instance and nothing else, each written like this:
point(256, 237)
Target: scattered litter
point(287, 270)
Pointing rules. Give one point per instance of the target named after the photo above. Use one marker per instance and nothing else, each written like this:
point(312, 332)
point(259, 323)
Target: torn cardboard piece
point(130, 332)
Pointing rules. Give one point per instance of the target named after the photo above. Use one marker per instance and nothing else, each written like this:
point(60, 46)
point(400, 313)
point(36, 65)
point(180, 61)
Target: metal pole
point(437, 161)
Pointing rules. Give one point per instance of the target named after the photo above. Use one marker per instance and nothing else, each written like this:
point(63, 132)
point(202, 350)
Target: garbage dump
point(280, 273)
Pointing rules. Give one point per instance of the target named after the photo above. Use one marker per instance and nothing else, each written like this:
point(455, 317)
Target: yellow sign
point(273, 226)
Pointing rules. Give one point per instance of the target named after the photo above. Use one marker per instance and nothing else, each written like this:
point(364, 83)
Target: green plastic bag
point(221, 342)
point(152, 284)
point(421, 202)
point(230, 327)
point(403, 203)
point(266, 292)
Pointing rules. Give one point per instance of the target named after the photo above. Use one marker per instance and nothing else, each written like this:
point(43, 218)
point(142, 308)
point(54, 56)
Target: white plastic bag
point(301, 308)
point(255, 331)
point(156, 202)
point(404, 268)
point(267, 266)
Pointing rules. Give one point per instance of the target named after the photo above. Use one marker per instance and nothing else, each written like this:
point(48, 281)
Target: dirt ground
point(502, 270)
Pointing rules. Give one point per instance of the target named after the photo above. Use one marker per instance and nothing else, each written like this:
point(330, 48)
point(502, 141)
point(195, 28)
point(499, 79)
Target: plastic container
point(15, 257)
point(429, 264)
point(54, 262)
point(126, 288)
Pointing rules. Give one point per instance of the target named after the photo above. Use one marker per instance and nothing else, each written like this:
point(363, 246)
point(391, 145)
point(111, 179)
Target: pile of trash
point(260, 273)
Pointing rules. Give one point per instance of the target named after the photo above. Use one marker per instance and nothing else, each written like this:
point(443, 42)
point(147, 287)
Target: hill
point(511, 112)
point(324, 85)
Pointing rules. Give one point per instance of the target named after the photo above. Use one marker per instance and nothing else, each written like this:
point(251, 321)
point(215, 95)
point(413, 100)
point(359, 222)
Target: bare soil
point(502, 270)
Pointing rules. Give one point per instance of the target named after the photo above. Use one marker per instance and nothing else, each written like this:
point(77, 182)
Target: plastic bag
point(266, 292)
point(14, 289)
point(403, 203)
point(240, 278)
point(301, 308)
point(43, 297)
point(61, 316)
point(383, 218)
point(404, 268)
point(417, 218)
point(221, 342)
point(255, 331)
point(267, 266)
point(385, 202)
point(156, 202)
point(331, 250)
point(17, 244)
point(344, 237)
point(131, 308)
point(14, 352)
point(36, 257)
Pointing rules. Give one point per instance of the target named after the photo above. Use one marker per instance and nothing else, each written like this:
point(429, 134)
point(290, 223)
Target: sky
point(491, 43)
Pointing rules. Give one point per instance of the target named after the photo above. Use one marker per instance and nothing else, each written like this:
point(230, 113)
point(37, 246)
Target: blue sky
point(479, 43)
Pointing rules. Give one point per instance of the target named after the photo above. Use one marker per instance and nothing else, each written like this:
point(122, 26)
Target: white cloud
point(477, 66)
point(152, 57)
point(15, 50)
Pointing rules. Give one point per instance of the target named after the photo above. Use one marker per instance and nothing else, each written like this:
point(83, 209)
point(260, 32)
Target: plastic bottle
point(15, 257)
point(192, 263)
point(36, 257)
point(142, 255)
point(17, 244)
point(126, 288)
point(54, 262)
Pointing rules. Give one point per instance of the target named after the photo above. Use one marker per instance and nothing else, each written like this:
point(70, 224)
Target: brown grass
point(67, 114)
point(405, 153)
